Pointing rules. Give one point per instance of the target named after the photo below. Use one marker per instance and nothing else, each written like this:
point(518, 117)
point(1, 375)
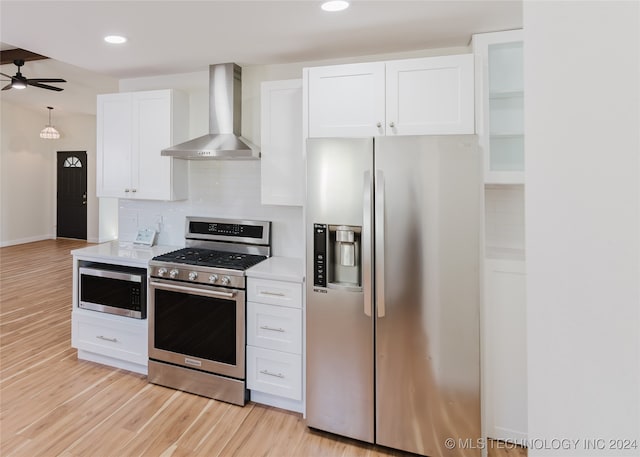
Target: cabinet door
point(505, 350)
point(274, 372)
point(500, 104)
point(346, 100)
point(152, 132)
point(274, 327)
point(113, 149)
point(282, 168)
point(430, 96)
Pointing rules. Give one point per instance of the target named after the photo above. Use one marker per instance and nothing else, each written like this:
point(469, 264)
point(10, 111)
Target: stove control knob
point(193, 275)
point(213, 278)
point(225, 280)
point(162, 271)
point(173, 273)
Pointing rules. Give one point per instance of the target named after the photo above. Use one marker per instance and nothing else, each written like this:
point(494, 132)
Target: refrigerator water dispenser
point(337, 256)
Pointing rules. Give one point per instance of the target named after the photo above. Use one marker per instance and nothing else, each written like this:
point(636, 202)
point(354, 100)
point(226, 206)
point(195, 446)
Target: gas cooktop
point(211, 258)
point(217, 252)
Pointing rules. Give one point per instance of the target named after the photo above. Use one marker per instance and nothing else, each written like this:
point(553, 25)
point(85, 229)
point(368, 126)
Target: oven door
point(199, 327)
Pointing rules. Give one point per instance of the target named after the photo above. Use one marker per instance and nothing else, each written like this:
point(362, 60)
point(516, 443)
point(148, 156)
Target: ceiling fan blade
point(44, 86)
point(8, 86)
point(46, 80)
point(6, 75)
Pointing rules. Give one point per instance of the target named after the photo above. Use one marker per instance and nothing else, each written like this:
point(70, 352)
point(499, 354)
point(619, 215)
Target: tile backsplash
point(229, 189)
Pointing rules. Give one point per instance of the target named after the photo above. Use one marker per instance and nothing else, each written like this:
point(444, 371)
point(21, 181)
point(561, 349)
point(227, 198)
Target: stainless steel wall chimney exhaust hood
point(224, 140)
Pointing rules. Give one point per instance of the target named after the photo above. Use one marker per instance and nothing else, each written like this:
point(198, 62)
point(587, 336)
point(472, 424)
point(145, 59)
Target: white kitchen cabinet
point(346, 100)
point(104, 338)
point(132, 129)
point(111, 340)
point(500, 104)
point(274, 327)
point(274, 372)
point(425, 96)
point(274, 342)
point(282, 167)
point(505, 352)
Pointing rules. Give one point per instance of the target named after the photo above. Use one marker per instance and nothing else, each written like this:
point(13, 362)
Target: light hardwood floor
point(52, 404)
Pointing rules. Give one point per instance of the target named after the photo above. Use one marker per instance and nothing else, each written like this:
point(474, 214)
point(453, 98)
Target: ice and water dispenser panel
point(337, 256)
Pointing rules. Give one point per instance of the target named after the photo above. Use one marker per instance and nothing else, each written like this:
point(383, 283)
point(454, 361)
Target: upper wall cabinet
point(282, 167)
point(500, 104)
point(426, 96)
point(132, 129)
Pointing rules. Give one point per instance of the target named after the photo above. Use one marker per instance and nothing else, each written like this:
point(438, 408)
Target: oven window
point(202, 327)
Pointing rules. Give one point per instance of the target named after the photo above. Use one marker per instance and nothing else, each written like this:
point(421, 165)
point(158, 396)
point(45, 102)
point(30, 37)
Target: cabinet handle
point(134, 190)
point(379, 124)
point(392, 124)
point(275, 294)
point(126, 190)
point(273, 329)
point(111, 340)
point(275, 375)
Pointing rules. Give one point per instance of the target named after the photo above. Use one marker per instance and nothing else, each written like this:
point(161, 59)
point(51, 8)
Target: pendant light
point(49, 132)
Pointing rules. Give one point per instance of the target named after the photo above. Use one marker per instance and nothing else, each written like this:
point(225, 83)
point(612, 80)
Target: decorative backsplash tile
point(229, 189)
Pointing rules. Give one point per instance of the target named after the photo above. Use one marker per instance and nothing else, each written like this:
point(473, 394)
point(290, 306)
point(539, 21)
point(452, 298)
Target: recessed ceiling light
point(335, 5)
point(115, 39)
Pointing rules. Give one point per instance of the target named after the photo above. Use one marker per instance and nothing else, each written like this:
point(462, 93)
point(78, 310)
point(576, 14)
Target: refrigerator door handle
point(379, 240)
point(367, 204)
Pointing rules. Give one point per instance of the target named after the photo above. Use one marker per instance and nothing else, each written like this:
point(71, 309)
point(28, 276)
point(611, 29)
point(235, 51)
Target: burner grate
point(212, 258)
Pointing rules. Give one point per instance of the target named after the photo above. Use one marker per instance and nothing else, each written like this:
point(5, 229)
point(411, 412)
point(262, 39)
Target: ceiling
point(169, 37)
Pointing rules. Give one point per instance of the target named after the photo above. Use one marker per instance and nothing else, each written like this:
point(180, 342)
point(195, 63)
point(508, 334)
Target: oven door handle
point(212, 293)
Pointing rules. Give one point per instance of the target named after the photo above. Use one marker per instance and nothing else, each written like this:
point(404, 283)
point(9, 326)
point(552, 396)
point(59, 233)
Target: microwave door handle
point(366, 243)
point(379, 240)
point(212, 293)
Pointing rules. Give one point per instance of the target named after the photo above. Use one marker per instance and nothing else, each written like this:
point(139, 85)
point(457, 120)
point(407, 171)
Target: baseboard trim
point(30, 239)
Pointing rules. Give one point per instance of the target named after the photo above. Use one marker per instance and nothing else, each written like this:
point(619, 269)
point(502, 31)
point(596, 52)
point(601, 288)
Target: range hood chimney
point(224, 140)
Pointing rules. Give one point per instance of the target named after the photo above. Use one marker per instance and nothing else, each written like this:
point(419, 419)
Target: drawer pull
point(275, 375)
point(111, 340)
point(274, 294)
point(273, 329)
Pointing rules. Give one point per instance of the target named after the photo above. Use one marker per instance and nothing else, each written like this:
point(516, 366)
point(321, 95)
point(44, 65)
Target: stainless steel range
point(197, 307)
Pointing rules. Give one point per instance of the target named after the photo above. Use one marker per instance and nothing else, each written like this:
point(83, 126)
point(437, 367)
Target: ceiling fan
point(20, 82)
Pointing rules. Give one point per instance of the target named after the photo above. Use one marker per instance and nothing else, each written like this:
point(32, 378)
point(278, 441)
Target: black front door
point(72, 195)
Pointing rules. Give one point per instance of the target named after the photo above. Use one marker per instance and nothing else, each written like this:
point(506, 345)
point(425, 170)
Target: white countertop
point(279, 269)
point(122, 252)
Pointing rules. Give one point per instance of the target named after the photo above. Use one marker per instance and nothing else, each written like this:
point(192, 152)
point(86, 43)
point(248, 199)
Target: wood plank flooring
point(52, 404)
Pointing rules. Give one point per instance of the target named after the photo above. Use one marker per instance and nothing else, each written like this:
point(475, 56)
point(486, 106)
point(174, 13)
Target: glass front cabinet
point(500, 104)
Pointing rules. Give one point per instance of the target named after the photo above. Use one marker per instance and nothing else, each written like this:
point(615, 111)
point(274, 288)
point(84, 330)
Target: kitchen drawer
point(280, 293)
point(274, 327)
point(111, 337)
point(274, 372)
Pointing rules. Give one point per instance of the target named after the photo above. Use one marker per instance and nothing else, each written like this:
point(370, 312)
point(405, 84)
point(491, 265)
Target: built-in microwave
point(113, 289)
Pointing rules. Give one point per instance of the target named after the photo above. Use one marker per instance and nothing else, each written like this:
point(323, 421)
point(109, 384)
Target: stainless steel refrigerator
point(392, 295)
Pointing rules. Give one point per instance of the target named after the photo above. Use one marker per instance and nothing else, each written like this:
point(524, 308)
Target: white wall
point(582, 78)
point(28, 171)
point(28, 164)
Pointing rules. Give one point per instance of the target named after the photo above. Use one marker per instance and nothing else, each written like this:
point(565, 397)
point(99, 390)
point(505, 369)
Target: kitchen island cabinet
point(275, 333)
point(132, 129)
point(108, 339)
point(425, 96)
